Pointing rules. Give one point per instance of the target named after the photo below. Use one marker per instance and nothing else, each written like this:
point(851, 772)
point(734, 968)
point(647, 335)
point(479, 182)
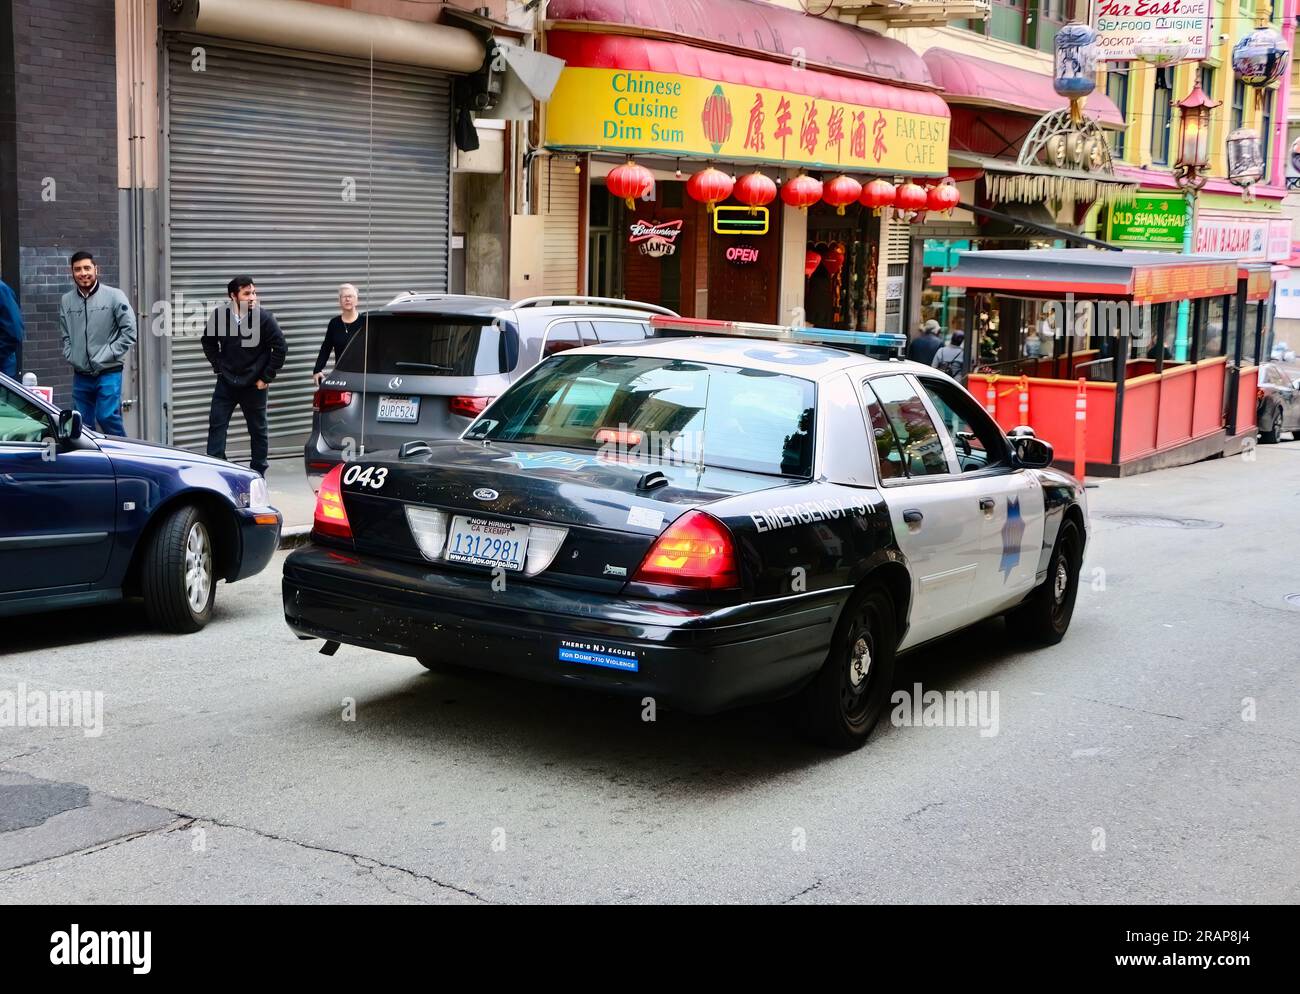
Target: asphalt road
point(1127, 765)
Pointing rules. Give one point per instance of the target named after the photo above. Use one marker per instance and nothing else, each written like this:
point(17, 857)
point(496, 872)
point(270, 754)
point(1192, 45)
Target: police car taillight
point(331, 517)
point(695, 551)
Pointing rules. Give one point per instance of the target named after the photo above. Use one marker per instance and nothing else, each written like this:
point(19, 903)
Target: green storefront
point(1154, 222)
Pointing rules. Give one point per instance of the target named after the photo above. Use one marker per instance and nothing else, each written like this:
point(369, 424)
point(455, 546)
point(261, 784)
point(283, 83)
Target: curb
point(294, 536)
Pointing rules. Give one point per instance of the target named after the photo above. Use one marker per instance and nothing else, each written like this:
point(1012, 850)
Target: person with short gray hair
point(339, 331)
point(923, 348)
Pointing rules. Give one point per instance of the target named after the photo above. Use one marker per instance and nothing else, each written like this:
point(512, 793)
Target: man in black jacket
point(245, 348)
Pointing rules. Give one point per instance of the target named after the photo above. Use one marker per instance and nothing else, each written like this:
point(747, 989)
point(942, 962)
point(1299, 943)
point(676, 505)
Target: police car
point(720, 514)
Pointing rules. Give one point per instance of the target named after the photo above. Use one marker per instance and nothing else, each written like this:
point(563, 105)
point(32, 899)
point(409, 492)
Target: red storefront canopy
point(966, 79)
point(599, 51)
point(760, 29)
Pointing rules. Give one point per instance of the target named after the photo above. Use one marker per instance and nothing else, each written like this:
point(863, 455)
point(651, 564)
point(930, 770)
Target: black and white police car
point(707, 521)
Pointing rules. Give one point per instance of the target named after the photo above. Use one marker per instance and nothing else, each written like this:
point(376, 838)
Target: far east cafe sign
point(1128, 29)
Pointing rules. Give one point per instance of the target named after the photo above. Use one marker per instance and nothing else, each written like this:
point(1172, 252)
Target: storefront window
point(1160, 122)
point(947, 305)
point(842, 259)
point(1117, 90)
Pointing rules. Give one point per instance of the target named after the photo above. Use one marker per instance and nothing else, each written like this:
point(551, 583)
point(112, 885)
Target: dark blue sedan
point(87, 519)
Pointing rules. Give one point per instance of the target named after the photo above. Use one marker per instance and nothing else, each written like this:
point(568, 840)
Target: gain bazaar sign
point(685, 115)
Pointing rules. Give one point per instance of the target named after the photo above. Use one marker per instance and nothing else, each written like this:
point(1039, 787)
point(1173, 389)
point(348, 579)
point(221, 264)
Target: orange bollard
point(1024, 400)
point(1081, 430)
point(991, 397)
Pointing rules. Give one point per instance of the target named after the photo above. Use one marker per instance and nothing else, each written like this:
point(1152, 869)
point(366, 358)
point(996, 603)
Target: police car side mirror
point(1032, 453)
point(69, 429)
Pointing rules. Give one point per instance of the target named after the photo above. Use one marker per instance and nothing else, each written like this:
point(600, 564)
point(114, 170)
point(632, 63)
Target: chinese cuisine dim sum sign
point(1136, 29)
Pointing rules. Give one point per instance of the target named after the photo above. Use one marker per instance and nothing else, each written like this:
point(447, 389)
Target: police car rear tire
point(1045, 617)
point(849, 693)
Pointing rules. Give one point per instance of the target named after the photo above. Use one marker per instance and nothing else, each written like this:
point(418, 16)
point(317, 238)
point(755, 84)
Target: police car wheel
point(1045, 617)
point(847, 696)
point(177, 574)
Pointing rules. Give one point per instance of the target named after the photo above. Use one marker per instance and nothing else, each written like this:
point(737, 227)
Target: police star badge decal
point(1012, 532)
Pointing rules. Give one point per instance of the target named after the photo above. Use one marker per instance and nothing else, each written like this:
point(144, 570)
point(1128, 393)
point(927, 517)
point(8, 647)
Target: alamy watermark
point(23, 708)
point(918, 708)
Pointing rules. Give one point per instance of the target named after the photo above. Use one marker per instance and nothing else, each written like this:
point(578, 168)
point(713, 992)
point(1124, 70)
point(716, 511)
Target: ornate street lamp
point(1190, 174)
point(1194, 138)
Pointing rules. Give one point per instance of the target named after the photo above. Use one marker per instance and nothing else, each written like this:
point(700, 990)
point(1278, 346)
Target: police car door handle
point(912, 517)
point(987, 503)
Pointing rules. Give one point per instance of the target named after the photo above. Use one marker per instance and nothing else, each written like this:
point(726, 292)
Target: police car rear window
point(429, 345)
point(654, 409)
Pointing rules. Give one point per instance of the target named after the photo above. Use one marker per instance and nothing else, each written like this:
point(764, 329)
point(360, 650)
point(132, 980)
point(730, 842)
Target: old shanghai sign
point(641, 111)
point(1132, 29)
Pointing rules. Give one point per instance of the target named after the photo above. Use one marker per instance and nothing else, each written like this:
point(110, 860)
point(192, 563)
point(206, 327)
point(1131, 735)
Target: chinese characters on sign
point(657, 112)
point(1149, 220)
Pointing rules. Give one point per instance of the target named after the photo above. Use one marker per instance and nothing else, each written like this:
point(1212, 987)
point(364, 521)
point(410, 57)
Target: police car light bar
point(777, 332)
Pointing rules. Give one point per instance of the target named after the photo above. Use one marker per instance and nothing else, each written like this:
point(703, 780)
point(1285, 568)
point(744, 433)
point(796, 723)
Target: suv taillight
point(469, 407)
point(331, 516)
point(328, 399)
point(695, 551)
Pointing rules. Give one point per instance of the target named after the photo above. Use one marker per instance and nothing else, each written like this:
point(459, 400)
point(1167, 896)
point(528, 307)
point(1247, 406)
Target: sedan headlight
point(258, 494)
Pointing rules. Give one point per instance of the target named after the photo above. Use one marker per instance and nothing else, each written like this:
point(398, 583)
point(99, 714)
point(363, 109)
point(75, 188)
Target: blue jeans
point(98, 399)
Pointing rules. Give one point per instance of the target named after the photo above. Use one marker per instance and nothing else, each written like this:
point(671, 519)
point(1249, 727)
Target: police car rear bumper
point(700, 659)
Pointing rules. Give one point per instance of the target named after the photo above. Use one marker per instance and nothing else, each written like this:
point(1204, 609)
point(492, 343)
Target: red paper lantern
point(811, 260)
point(877, 194)
point(943, 197)
point(629, 181)
point(911, 197)
point(802, 191)
point(833, 260)
point(709, 186)
point(755, 190)
point(842, 191)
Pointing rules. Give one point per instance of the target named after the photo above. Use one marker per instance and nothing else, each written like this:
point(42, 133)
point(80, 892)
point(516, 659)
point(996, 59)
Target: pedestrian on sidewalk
point(98, 328)
point(245, 348)
point(11, 331)
point(951, 359)
point(340, 330)
point(924, 346)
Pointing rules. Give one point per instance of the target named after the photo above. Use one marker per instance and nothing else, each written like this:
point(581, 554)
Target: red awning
point(966, 79)
point(762, 29)
point(600, 51)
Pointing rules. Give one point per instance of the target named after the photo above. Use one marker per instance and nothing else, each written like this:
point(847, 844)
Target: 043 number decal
point(371, 476)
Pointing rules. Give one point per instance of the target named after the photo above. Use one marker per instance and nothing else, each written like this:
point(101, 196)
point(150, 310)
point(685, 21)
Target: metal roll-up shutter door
point(275, 170)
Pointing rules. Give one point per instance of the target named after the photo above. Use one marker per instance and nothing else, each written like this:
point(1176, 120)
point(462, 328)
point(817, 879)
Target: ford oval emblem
point(484, 493)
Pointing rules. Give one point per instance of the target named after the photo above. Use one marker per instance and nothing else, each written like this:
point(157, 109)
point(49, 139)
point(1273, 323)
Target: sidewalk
point(293, 497)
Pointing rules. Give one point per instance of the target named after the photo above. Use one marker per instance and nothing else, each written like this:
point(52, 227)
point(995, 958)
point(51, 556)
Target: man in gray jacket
point(98, 329)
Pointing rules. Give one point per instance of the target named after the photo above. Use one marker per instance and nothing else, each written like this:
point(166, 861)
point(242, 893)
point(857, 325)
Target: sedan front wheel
point(178, 575)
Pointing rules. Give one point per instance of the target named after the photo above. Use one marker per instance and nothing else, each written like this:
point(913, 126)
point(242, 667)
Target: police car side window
point(888, 455)
point(977, 440)
point(918, 438)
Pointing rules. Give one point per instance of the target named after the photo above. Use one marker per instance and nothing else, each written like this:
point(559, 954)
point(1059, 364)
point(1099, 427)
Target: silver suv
point(427, 365)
